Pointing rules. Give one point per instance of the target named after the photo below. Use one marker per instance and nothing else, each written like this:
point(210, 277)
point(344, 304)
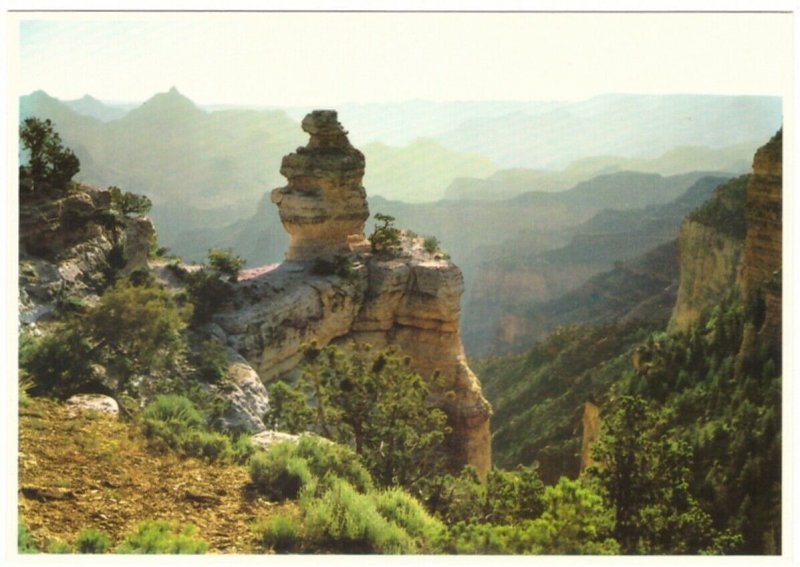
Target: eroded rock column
point(324, 206)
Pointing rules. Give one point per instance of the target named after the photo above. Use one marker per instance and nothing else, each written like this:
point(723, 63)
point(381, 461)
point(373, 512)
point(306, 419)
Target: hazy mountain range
point(492, 180)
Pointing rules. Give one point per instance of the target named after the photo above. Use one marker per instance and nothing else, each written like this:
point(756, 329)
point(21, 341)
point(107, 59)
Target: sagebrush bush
point(57, 546)
point(243, 448)
point(345, 521)
point(399, 507)
point(90, 540)
point(158, 536)
point(326, 457)
point(279, 532)
point(279, 473)
point(208, 445)
point(175, 422)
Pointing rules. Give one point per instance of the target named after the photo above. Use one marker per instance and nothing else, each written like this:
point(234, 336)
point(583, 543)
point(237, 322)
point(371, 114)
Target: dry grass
point(94, 471)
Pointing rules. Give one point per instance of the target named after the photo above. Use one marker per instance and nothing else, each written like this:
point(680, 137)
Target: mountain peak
point(171, 103)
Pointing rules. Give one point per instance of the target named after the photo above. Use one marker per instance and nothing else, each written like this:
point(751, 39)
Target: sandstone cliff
point(761, 274)
point(409, 298)
point(709, 253)
point(735, 240)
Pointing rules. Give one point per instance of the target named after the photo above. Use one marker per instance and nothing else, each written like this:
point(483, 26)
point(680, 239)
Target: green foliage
point(431, 245)
point(506, 497)
point(173, 422)
point(374, 403)
point(400, 508)
point(225, 263)
point(645, 474)
point(324, 457)
point(343, 520)
point(725, 210)
point(278, 472)
point(537, 398)
point(48, 160)
point(385, 238)
point(138, 330)
point(207, 292)
point(280, 533)
point(289, 410)
point(573, 520)
point(129, 204)
point(157, 536)
point(56, 546)
point(211, 360)
point(24, 542)
point(90, 540)
point(58, 364)
point(24, 384)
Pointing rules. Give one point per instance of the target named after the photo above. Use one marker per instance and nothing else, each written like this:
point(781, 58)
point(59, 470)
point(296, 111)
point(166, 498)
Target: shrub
point(91, 540)
point(129, 203)
point(279, 473)
point(57, 546)
point(207, 293)
point(288, 410)
point(59, 364)
point(279, 532)
point(398, 506)
point(344, 521)
point(176, 422)
point(208, 445)
point(243, 448)
point(139, 329)
point(176, 411)
point(24, 542)
point(162, 537)
point(339, 460)
point(431, 245)
point(225, 263)
point(212, 360)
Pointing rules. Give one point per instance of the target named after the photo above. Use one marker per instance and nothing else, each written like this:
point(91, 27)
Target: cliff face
point(762, 272)
point(735, 239)
point(409, 299)
point(69, 243)
point(710, 263)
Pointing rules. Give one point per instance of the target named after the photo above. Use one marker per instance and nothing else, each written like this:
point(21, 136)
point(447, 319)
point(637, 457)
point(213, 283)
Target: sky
point(296, 59)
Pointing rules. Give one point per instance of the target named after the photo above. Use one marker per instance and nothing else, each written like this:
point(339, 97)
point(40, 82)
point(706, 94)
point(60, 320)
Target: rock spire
point(324, 205)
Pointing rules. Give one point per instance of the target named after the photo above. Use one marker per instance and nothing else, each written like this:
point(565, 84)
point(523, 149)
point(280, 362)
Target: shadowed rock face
point(410, 299)
point(324, 206)
point(762, 270)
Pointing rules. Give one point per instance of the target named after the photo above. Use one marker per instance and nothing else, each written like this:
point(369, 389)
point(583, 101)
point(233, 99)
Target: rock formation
point(760, 279)
point(714, 259)
point(68, 245)
point(710, 264)
point(409, 299)
point(324, 206)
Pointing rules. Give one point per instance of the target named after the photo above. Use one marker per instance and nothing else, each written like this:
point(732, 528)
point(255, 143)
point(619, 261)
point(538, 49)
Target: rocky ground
point(95, 471)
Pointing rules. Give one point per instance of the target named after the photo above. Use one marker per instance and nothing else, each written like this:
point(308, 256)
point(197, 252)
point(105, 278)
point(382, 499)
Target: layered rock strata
point(761, 278)
point(409, 299)
point(324, 206)
point(710, 265)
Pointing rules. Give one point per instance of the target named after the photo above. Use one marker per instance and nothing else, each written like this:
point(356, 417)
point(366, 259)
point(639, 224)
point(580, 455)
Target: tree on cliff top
point(48, 160)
